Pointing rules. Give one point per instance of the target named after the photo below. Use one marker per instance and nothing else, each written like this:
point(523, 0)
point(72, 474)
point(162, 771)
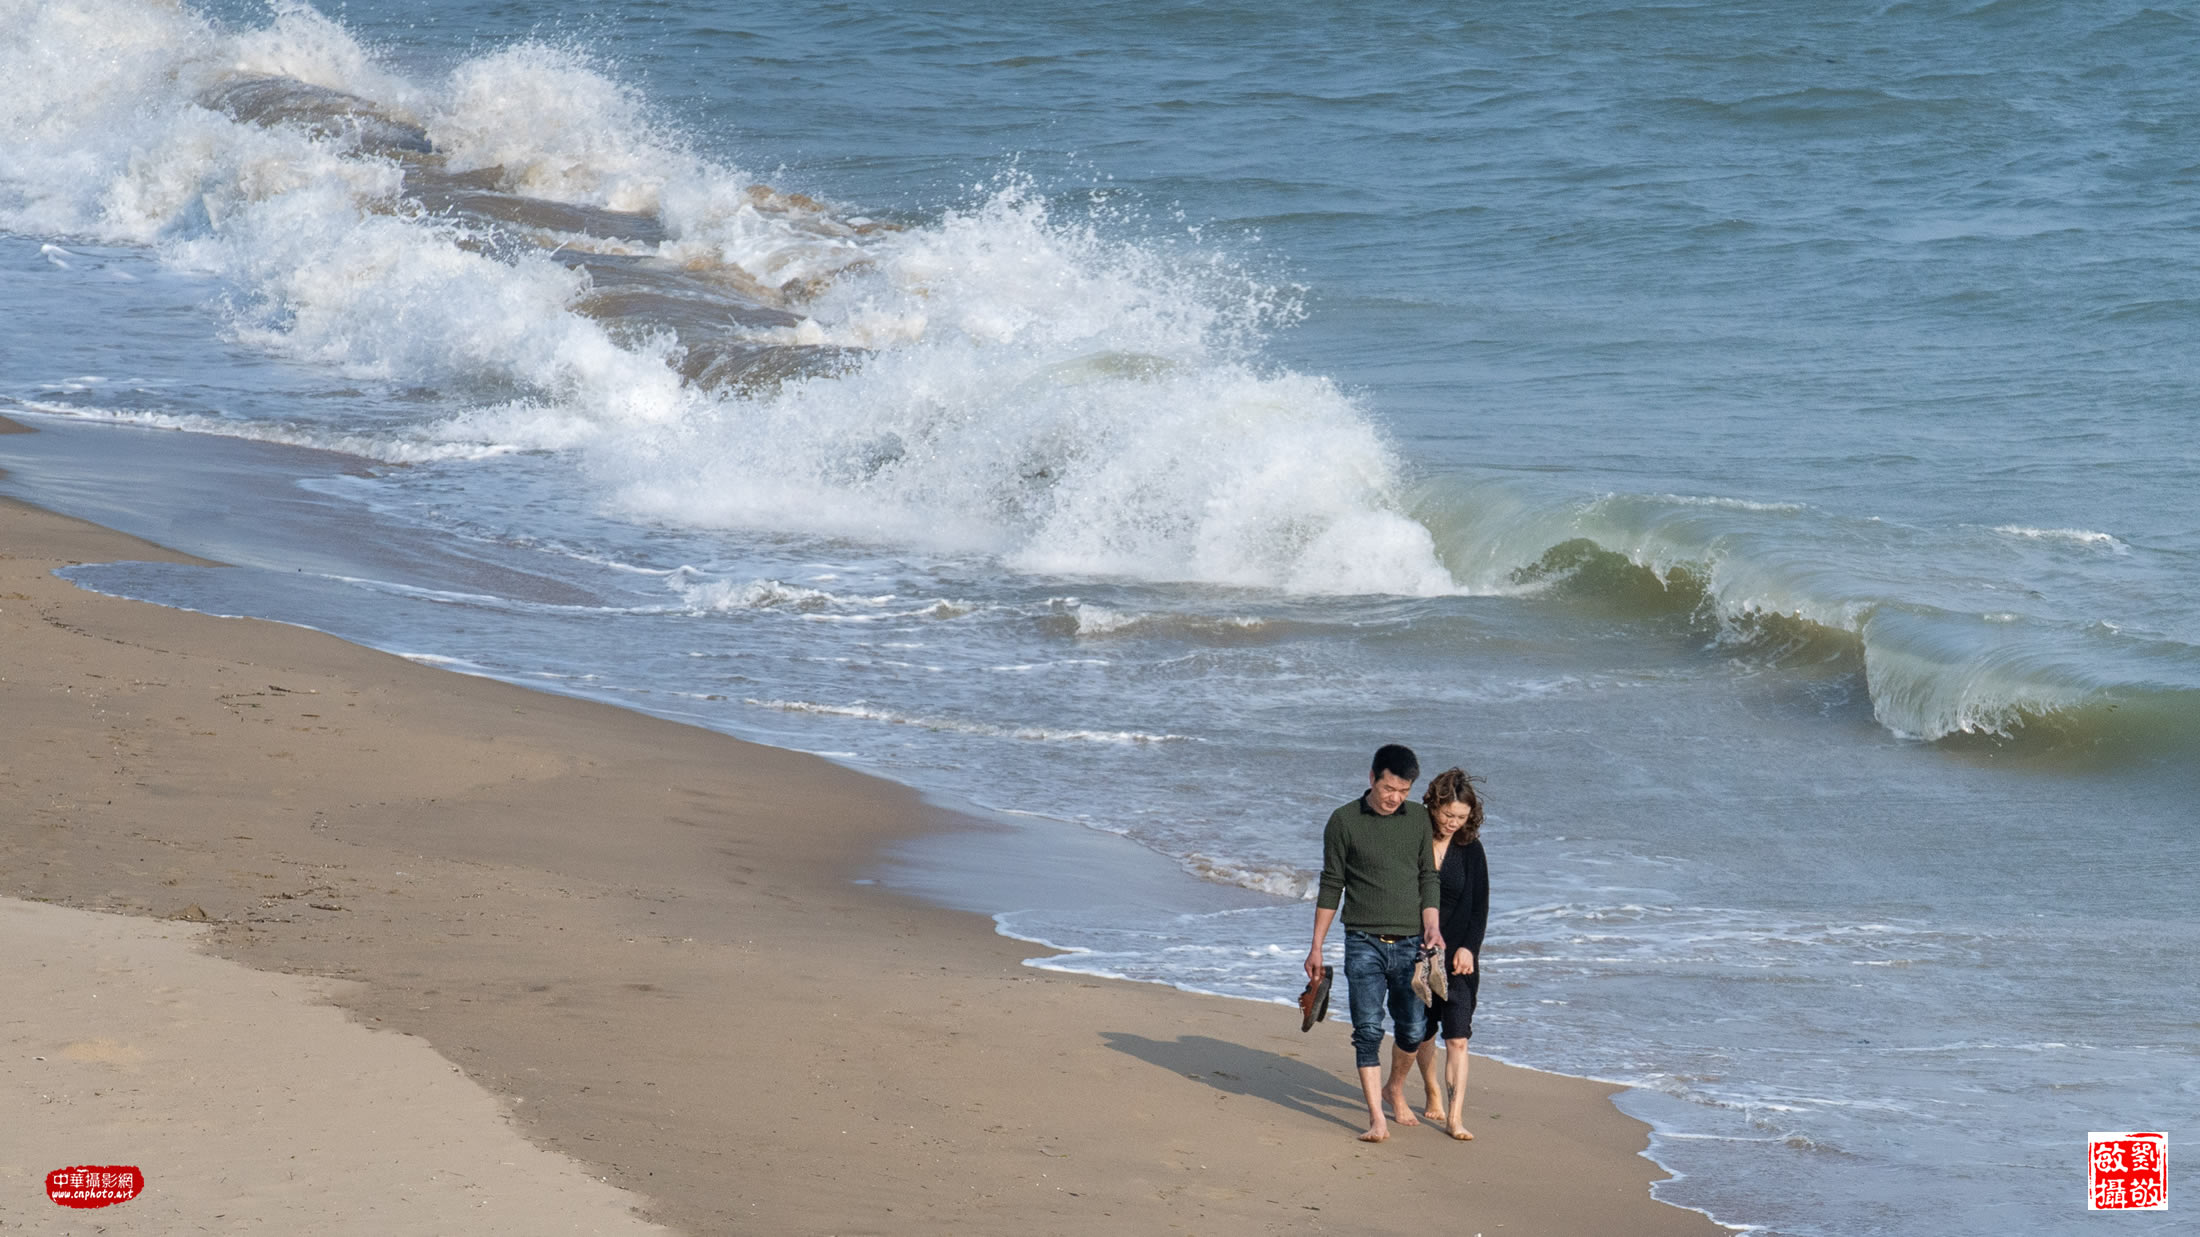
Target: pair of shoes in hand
point(1314, 1002)
point(1429, 981)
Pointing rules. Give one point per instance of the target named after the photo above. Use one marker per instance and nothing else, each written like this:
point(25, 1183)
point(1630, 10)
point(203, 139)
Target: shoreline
point(593, 913)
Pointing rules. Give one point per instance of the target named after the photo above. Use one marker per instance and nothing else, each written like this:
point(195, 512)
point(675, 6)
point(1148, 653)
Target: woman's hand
point(1462, 963)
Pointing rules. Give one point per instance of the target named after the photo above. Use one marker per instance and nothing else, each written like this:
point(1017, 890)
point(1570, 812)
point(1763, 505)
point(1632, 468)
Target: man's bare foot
point(1376, 1134)
point(1400, 1111)
point(1459, 1132)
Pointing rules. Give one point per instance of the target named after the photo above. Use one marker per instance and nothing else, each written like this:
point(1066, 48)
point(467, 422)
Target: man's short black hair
point(1397, 760)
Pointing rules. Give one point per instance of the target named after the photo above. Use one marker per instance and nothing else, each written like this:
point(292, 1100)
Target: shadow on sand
point(1240, 1070)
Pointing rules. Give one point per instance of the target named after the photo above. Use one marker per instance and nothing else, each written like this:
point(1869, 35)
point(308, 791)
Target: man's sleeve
point(1332, 886)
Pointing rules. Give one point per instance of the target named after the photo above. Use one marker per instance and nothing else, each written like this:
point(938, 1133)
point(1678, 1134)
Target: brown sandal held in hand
point(1314, 1002)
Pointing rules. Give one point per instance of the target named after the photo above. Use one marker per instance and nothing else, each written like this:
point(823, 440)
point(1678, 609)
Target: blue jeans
point(1379, 974)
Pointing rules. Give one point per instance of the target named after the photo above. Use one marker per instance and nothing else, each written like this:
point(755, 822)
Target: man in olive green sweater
point(1378, 858)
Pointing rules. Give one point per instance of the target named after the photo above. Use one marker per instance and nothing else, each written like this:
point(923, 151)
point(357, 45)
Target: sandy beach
point(487, 960)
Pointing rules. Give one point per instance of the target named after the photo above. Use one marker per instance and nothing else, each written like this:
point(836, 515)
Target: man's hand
point(1323, 917)
point(1432, 938)
point(1462, 963)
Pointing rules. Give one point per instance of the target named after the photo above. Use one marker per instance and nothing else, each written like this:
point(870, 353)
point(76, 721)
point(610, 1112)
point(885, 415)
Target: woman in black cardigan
point(1455, 814)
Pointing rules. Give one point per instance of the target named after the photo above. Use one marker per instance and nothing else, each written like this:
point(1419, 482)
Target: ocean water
point(1759, 440)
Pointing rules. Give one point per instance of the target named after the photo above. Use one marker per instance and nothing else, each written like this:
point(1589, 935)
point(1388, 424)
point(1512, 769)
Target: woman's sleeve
point(1458, 896)
point(1478, 899)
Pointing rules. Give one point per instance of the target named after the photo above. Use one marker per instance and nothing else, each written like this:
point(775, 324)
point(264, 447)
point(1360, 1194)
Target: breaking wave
point(1012, 376)
point(524, 237)
point(1802, 587)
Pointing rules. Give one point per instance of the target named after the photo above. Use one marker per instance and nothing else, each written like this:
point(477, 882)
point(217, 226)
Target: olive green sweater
point(1383, 868)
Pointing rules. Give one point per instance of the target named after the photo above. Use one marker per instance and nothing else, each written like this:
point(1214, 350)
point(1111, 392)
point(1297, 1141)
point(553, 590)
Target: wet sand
point(640, 945)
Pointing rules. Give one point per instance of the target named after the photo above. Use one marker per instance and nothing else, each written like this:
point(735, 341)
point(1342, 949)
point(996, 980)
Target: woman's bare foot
point(1436, 1108)
point(1459, 1132)
point(1376, 1133)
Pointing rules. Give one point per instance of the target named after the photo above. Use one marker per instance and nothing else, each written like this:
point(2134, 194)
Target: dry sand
point(639, 945)
point(254, 1104)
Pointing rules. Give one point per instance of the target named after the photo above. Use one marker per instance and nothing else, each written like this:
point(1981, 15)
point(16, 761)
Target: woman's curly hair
point(1455, 785)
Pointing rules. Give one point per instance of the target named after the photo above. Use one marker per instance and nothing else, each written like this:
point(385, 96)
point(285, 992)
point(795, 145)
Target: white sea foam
point(459, 664)
point(1032, 734)
point(1069, 403)
point(1731, 504)
point(705, 593)
point(411, 446)
point(559, 127)
point(1098, 621)
point(2073, 536)
point(1101, 621)
point(1282, 880)
point(712, 594)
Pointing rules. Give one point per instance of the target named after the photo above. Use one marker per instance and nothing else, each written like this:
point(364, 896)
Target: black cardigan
point(1464, 914)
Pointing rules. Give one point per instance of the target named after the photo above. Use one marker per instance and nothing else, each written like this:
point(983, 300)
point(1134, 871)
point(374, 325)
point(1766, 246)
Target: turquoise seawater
point(1757, 439)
